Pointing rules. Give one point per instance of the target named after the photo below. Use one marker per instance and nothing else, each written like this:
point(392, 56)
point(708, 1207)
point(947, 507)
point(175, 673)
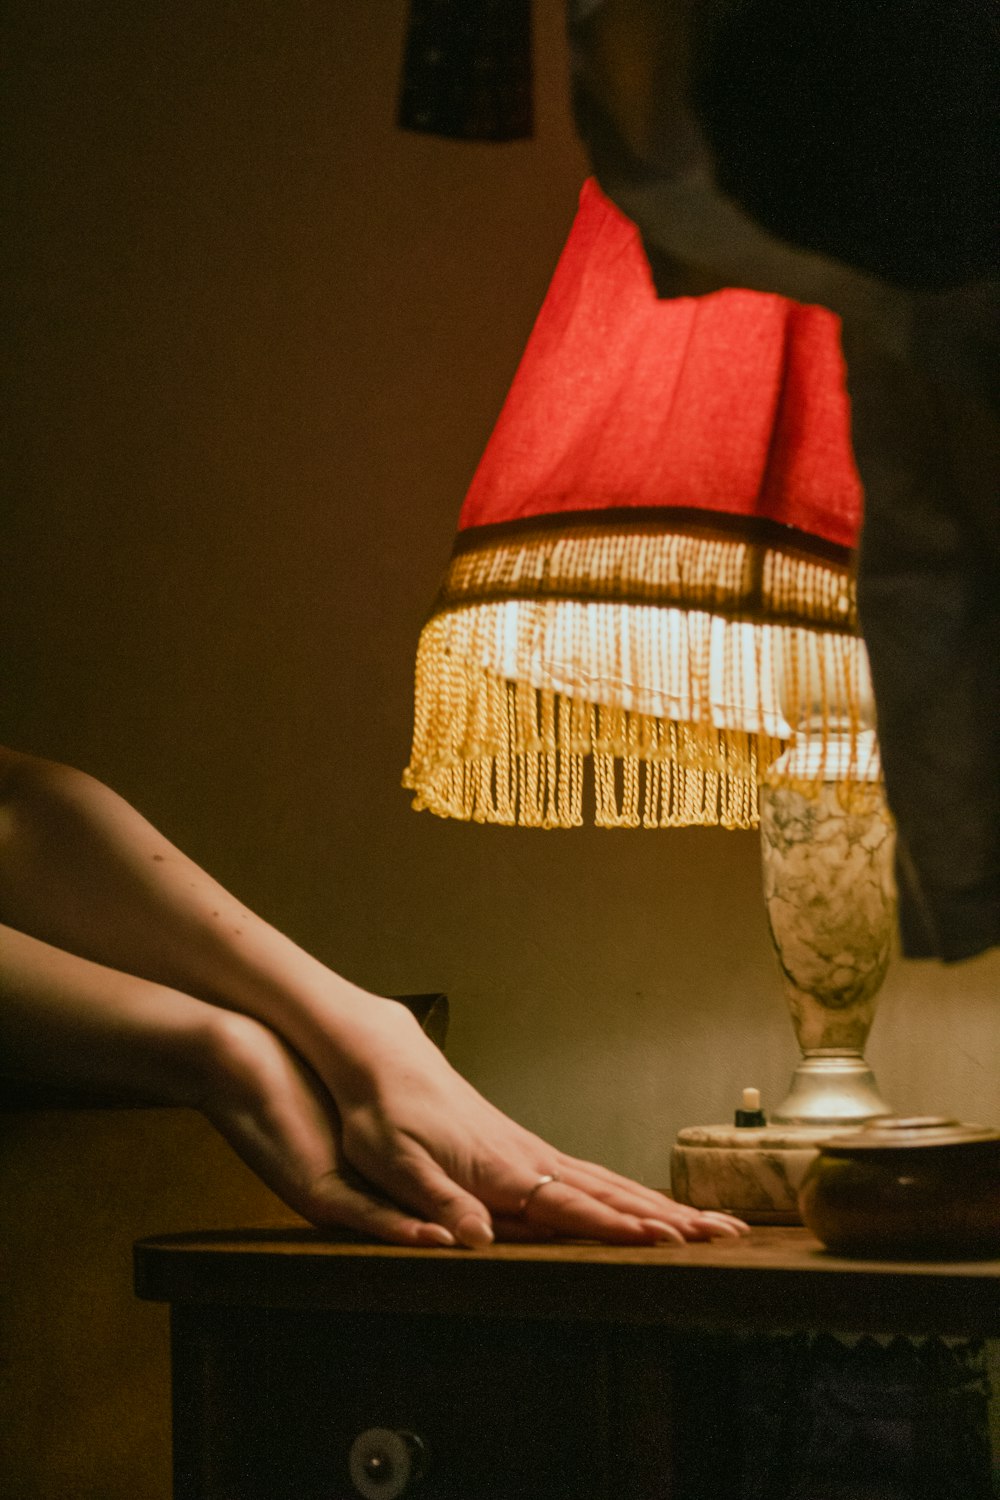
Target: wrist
point(353, 1039)
point(335, 1025)
point(223, 1059)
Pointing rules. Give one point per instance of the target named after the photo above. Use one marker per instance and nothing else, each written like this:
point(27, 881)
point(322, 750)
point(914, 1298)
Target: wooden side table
point(560, 1372)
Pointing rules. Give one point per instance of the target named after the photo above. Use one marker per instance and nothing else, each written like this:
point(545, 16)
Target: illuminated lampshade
point(650, 595)
point(652, 570)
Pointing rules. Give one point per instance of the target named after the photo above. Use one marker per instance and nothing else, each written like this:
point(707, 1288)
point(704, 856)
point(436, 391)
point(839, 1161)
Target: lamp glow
point(652, 569)
point(651, 596)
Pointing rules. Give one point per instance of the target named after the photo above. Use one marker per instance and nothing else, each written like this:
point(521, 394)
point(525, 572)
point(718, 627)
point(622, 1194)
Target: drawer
point(269, 1402)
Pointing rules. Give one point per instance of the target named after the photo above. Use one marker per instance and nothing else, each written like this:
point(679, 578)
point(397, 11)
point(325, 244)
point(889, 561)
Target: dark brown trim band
point(668, 519)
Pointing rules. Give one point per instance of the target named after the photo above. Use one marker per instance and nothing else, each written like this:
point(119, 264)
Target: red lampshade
point(652, 567)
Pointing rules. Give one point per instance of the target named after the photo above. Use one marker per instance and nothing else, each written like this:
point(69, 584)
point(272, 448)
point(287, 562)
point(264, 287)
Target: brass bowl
point(922, 1187)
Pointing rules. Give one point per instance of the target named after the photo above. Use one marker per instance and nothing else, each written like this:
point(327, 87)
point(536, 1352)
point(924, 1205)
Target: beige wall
point(260, 339)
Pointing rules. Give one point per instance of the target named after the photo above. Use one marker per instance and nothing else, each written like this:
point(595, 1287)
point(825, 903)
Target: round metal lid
point(911, 1131)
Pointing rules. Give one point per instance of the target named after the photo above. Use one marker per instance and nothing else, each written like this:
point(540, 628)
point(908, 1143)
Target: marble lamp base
point(754, 1172)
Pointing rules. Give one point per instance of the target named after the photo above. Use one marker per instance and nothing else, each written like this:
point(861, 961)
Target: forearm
point(66, 1020)
point(125, 967)
point(82, 870)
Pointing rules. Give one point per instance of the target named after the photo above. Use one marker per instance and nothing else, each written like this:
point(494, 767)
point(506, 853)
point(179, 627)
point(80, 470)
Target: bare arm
point(81, 869)
point(69, 1021)
point(85, 876)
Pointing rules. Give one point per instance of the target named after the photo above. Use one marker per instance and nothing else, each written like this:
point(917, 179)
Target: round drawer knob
point(383, 1463)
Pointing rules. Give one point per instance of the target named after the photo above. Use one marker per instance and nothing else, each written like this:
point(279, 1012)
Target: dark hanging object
point(467, 69)
point(864, 131)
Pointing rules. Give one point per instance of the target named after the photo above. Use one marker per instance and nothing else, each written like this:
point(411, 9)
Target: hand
point(127, 966)
point(416, 1130)
point(278, 1117)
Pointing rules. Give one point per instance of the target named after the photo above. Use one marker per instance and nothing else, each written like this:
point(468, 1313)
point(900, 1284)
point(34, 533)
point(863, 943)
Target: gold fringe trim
point(678, 714)
point(656, 563)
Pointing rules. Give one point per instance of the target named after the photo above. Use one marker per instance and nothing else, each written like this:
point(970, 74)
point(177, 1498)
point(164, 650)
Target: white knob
point(382, 1462)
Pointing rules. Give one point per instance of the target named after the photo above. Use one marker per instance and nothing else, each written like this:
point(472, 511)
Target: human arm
point(83, 873)
point(67, 1021)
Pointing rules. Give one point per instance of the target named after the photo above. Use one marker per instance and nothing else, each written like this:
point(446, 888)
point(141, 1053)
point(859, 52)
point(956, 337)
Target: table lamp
point(649, 614)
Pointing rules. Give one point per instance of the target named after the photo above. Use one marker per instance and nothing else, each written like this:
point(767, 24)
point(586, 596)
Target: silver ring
point(542, 1182)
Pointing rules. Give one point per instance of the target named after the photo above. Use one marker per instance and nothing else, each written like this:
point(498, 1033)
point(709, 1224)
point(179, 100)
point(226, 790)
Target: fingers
point(615, 1187)
point(457, 1218)
point(633, 1198)
point(277, 1116)
point(578, 1200)
point(433, 1145)
point(334, 1203)
point(573, 1200)
point(414, 1179)
point(560, 1210)
point(430, 1177)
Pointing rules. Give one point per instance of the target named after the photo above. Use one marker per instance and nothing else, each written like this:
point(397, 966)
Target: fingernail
point(727, 1222)
point(663, 1231)
point(436, 1234)
point(473, 1232)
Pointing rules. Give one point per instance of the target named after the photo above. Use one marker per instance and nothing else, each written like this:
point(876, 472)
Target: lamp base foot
point(753, 1172)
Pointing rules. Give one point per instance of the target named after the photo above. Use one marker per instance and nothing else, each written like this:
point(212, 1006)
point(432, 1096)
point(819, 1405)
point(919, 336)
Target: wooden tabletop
point(774, 1279)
